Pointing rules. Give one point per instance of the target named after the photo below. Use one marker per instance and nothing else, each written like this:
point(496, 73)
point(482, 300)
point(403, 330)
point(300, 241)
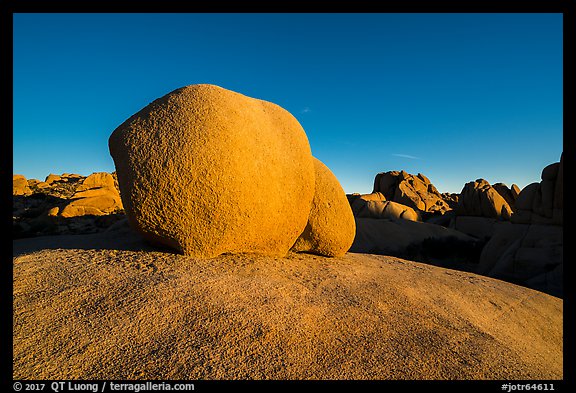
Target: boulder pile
point(65, 204)
point(415, 191)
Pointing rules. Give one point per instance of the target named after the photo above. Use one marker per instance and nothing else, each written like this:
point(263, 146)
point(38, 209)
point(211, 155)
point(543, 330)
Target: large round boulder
point(208, 171)
point(331, 228)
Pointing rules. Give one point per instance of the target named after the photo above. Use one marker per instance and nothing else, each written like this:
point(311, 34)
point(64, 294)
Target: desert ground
point(108, 306)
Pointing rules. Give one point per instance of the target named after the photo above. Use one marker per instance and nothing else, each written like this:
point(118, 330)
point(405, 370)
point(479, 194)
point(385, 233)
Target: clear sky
point(453, 96)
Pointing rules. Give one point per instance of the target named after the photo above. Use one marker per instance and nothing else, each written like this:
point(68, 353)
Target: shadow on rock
point(118, 236)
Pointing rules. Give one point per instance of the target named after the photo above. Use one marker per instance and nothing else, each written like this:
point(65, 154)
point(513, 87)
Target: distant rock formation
point(509, 194)
point(330, 230)
point(413, 191)
point(65, 204)
point(451, 199)
point(495, 230)
point(20, 185)
point(207, 171)
point(375, 205)
point(543, 203)
point(480, 199)
point(528, 250)
point(96, 195)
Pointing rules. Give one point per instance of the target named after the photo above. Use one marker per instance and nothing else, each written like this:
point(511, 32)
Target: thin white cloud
point(406, 156)
point(306, 110)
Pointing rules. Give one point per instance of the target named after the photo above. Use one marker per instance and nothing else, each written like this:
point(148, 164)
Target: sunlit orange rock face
point(414, 191)
point(97, 195)
point(331, 228)
point(208, 171)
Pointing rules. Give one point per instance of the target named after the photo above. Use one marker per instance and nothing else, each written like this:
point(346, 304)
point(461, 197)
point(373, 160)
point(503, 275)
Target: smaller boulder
point(330, 229)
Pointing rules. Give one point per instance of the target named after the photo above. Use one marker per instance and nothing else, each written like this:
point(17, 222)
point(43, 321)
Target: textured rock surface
point(82, 313)
point(207, 171)
point(20, 185)
point(330, 229)
point(479, 198)
point(415, 191)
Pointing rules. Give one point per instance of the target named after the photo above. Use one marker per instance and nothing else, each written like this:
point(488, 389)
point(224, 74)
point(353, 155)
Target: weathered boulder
point(542, 203)
point(52, 178)
point(207, 171)
point(478, 198)
point(415, 191)
point(515, 190)
point(330, 229)
point(96, 195)
point(505, 193)
point(20, 185)
point(375, 205)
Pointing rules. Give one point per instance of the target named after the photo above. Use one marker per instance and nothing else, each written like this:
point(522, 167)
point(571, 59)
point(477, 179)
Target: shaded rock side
point(206, 171)
point(530, 255)
point(415, 191)
point(330, 229)
point(509, 194)
point(542, 203)
point(404, 238)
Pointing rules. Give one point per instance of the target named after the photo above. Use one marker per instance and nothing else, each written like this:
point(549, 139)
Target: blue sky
point(453, 96)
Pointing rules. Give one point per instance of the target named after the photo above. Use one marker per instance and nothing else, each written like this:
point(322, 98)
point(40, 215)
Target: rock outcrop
point(451, 199)
point(208, 171)
point(330, 229)
point(20, 185)
point(95, 196)
point(66, 204)
point(158, 315)
point(528, 250)
point(375, 205)
point(480, 199)
point(509, 194)
point(543, 203)
point(415, 191)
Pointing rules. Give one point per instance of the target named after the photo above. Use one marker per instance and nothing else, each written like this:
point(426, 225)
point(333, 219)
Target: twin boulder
point(208, 171)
